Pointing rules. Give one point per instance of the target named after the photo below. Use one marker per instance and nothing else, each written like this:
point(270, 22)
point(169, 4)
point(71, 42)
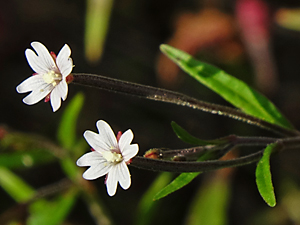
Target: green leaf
point(70, 169)
point(67, 136)
point(184, 178)
point(186, 137)
point(67, 129)
point(25, 159)
point(18, 189)
point(228, 87)
point(52, 212)
point(263, 176)
point(180, 181)
point(147, 207)
point(96, 26)
point(210, 204)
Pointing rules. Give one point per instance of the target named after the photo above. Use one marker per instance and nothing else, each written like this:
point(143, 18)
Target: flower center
point(112, 157)
point(52, 78)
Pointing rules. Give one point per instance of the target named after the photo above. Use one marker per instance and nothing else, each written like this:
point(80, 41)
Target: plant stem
point(184, 167)
point(209, 165)
point(164, 95)
point(195, 152)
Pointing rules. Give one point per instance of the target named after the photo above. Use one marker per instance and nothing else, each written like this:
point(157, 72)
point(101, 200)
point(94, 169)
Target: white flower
point(49, 80)
point(110, 156)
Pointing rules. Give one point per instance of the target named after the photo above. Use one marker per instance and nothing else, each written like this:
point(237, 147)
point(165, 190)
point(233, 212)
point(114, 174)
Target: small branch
point(290, 143)
point(187, 153)
point(164, 95)
point(194, 152)
point(53, 189)
point(252, 141)
point(183, 167)
point(209, 165)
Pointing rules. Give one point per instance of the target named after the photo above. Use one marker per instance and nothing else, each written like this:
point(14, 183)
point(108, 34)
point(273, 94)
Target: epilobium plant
point(50, 78)
point(109, 156)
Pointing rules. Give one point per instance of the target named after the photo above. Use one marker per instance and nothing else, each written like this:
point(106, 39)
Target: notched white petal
point(124, 176)
point(35, 62)
point(95, 142)
point(112, 182)
point(125, 139)
point(61, 89)
point(35, 96)
point(130, 151)
point(96, 171)
point(98, 165)
point(89, 159)
point(31, 83)
point(106, 134)
point(64, 62)
point(44, 56)
point(55, 99)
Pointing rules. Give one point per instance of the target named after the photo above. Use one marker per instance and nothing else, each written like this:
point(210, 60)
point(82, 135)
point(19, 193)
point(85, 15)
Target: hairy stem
point(183, 167)
point(164, 95)
point(195, 152)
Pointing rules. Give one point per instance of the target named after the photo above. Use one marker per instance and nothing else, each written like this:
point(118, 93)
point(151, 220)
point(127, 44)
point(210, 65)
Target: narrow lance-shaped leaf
point(18, 189)
point(147, 207)
point(263, 176)
point(67, 129)
point(179, 182)
point(96, 26)
point(185, 178)
point(186, 137)
point(67, 134)
point(230, 88)
point(182, 180)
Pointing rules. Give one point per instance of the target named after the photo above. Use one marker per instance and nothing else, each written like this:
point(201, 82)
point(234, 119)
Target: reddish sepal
point(119, 135)
point(53, 55)
point(47, 99)
point(69, 78)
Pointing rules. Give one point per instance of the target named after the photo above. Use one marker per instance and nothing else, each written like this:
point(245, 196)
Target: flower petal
point(112, 181)
point(99, 165)
point(63, 89)
point(64, 62)
point(130, 151)
point(96, 142)
point(106, 134)
point(125, 139)
point(55, 99)
point(90, 159)
point(35, 62)
point(37, 95)
point(31, 83)
point(124, 175)
point(44, 57)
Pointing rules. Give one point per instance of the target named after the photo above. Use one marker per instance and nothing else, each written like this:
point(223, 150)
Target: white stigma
point(52, 78)
point(112, 157)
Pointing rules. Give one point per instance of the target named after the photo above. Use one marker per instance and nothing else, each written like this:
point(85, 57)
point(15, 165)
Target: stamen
point(52, 78)
point(112, 157)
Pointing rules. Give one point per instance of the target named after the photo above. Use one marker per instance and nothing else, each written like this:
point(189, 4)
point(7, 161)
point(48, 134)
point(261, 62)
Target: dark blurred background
point(252, 40)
